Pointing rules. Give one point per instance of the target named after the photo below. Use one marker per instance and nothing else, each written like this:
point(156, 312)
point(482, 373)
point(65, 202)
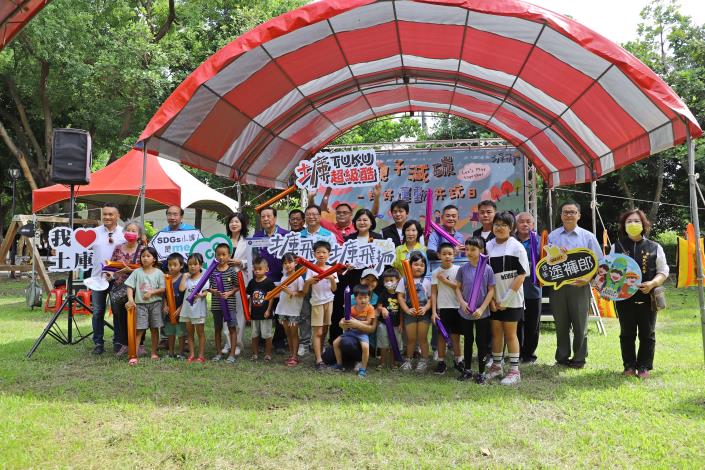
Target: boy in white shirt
point(445, 306)
point(322, 294)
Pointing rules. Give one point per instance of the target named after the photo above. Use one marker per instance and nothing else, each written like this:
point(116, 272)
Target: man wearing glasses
point(175, 220)
point(570, 304)
point(343, 225)
point(108, 236)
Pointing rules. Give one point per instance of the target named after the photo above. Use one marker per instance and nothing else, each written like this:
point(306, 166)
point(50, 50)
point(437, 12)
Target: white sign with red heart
point(71, 249)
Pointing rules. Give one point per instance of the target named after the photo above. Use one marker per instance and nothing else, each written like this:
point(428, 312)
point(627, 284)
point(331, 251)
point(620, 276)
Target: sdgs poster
point(462, 177)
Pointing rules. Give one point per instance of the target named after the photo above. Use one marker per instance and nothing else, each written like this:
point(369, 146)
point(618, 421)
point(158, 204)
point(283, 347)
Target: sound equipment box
point(71, 156)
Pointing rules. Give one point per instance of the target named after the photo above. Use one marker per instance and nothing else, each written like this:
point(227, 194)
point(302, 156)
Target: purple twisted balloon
point(201, 282)
point(429, 214)
point(533, 252)
point(223, 302)
point(441, 231)
point(477, 283)
point(442, 331)
point(348, 304)
point(392, 338)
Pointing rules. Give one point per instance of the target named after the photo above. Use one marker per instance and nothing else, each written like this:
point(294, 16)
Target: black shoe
point(565, 363)
point(116, 347)
point(576, 365)
point(440, 368)
point(98, 349)
point(465, 375)
point(459, 366)
point(480, 379)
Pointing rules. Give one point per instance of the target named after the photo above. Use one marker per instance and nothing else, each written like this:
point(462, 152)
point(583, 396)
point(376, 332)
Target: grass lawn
point(67, 408)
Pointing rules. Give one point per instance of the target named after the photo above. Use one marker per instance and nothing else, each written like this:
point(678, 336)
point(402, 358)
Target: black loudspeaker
point(71, 156)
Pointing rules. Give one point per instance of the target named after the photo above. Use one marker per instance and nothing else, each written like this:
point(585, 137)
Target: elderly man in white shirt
point(570, 304)
point(108, 236)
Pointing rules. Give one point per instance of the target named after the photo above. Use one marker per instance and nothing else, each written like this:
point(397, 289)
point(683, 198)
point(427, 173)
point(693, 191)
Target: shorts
point(425, 318)
point(362, 337)
point(383, 337)
point(174, 330)
point(321, 314)
point(193, 321)
point(218, 319)
point(262, 328)
point(508, 314)
point(292, 321)
point(451, 320)
point(149, 315)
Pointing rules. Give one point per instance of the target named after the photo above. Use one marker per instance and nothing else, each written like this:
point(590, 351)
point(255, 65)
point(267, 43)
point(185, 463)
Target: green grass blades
point(68, 408)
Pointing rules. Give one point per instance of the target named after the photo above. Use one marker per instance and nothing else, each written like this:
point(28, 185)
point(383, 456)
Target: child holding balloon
point(417, 319)
point(194, 316)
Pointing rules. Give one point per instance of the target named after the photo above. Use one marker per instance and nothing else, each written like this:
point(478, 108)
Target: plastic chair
point(55, 299)
point(85, 297)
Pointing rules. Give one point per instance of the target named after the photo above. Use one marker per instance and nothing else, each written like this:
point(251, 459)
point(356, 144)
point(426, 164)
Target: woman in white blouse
point(237, 229)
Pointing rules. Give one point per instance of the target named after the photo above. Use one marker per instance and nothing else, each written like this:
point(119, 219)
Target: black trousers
point(529, 328)
point(479, 332)
point(119, 321)
point(637, 320)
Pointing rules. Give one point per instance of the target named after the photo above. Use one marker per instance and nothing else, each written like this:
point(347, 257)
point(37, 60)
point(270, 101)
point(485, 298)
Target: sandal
point(201, 360)
point(190, 359)
point(154, 357)
point(133, 361)
point(267, 358)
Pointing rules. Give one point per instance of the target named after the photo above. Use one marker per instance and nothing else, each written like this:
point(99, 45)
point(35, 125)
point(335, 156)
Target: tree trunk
point(41, 162)
point(625, 187)
point(19, 156)
point(46, 112)
point(653, 212)
point(170, 18)
point(127, 115)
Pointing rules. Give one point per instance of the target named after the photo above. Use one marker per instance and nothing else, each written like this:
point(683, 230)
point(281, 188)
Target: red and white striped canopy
point(578, 105)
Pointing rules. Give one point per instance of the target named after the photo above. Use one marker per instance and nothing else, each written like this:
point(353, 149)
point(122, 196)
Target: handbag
point(658, 298)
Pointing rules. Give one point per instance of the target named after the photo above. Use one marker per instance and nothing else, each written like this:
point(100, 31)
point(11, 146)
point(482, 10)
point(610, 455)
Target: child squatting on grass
point(145, 288)
point(364, 312)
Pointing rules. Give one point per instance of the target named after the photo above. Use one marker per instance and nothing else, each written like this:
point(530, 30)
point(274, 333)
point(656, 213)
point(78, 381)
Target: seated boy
point(364, 312)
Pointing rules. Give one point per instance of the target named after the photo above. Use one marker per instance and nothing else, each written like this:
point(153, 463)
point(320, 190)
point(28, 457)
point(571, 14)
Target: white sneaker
point(302, 350)
point(406, 366)
point(357, 366)
point(237, 351)
point(421, 366)
point(494, 371)
point(435, 356)
point(225, 351)
point(513, 377)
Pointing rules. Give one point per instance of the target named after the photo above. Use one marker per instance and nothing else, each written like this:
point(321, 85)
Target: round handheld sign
point(617, 277)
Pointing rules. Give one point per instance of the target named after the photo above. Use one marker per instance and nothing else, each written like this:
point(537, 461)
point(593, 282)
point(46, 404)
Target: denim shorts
point(362, 337)
point(426, 318)
point(293, 321)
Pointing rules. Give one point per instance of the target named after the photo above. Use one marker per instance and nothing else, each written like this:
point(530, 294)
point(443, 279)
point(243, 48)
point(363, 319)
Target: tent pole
point(593, 205)
point(143, 188)
point(550, 208)
point(533, 202)
point(239, 197)
point(692, 178)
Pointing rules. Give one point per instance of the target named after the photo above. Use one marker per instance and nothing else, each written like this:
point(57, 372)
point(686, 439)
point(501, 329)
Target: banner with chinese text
point(462, 177)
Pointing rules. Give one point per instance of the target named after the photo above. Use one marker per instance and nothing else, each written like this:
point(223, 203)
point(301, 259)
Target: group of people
point(499, 313)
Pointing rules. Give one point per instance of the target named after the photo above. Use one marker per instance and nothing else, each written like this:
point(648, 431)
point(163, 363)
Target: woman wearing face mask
point(128, 253)
point(637, 314)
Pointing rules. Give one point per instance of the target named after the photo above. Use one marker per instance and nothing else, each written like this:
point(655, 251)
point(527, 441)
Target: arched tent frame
point(576, 104)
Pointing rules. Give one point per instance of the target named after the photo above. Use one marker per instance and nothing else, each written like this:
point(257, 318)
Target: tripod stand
point(52, 328)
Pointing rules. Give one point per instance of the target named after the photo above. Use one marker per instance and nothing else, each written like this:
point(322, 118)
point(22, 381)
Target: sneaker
point(98, 349)
point(225, 351)
point(435, 355)
point(465, 375)
point(320, 366)
point(337, 368)
point(302, 350)
point(230, 360)
point(459, 366)
point(421, 366)
point(254, 357)
point(180, 357)
point(576, 365)
point(513, 377)
point(141, 351)
point(217, 358)
point(292, 362)
point(122, 351)
point(480, 379)
point(357, 366)
point(116, 347)
point(406, 366)
point(362, 373)
point(267, 358)
point(643, 374)
point(629, 372)
point(440, 368)
point(494, 371)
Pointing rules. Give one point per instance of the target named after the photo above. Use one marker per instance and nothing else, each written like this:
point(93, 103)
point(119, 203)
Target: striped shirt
point(229, 277)
point(508, 260)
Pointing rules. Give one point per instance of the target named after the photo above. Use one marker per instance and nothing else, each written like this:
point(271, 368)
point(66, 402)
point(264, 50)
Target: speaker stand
point(53, 328)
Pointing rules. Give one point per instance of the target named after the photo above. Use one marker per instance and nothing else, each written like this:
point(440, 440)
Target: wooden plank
point(7, 241)
point(53, 219)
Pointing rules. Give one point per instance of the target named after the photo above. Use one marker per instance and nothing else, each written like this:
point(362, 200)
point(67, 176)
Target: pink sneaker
point(643, 374)
point(494, 371)
point(513, 377)
point(629, 372)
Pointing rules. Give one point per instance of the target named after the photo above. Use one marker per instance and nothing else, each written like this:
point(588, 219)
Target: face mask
point(390, 285)
point(130, 236)
point(634, 229)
